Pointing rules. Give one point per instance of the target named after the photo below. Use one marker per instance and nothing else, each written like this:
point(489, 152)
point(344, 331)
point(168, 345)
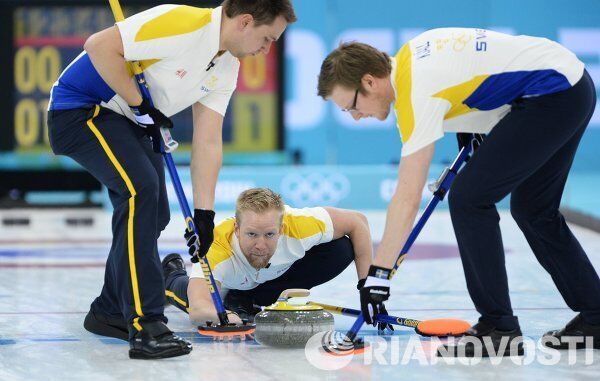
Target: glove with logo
point(381, 326)
point(198, 245)
point(152, 120)
point(375, 291)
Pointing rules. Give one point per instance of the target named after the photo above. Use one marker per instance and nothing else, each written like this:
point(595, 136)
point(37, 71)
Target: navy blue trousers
point(321, 264)
point(120, 156)
point(528, 155)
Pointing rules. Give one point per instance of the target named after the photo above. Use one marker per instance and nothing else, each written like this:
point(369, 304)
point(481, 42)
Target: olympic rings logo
point(315, 188)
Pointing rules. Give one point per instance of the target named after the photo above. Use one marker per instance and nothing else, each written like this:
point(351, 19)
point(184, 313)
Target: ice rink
point(50, 272)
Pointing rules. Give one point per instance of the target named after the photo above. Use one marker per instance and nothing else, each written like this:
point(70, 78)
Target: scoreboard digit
point(36, 70)
point(47, 37)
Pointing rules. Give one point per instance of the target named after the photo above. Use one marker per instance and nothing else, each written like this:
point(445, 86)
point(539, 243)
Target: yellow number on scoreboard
point(27, 123)
point(254, 126)
point(43, 107)
point(25, 70)
point(47, 68)
point(35, 69)
point(254, 71)
point(35, 73)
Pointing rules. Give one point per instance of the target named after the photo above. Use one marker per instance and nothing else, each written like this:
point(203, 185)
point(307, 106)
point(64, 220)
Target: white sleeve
point(218, 99)
point(196, 271)
point(147, 35)
point(428, 124)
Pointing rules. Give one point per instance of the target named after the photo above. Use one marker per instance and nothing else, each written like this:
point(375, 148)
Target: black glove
point(152, 120)
point(198, 245)
point(374, 292)
point(466, 139)
point(381, 326)
point(361, 283)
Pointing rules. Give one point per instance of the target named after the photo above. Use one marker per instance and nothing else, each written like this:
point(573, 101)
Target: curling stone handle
point(293, 293)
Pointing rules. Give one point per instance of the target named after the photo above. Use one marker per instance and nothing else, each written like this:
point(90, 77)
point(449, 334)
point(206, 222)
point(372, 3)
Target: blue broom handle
point(443, 185)
point(171, 144)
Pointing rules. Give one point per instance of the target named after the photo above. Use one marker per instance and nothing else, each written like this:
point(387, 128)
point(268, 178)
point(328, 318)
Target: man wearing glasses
point(534, 99)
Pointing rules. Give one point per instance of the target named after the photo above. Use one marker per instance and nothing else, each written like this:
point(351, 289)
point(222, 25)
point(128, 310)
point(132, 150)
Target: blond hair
point(258, 200)
point(346, 66)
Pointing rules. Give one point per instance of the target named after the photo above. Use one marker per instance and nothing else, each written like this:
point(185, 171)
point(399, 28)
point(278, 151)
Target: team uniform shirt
point(463, 80)
point(302, 229)
point(177, 47)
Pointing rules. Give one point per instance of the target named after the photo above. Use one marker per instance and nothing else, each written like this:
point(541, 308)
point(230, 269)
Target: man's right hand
point(381, 326)
point(150, 118)
point(374, 291)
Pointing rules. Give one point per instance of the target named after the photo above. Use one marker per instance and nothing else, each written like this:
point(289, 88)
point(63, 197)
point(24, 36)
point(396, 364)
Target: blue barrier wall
point(354, 187)
point(324, 135)
point(346, 186)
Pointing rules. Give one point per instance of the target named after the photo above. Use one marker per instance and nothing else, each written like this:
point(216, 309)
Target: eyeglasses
point(353, 107)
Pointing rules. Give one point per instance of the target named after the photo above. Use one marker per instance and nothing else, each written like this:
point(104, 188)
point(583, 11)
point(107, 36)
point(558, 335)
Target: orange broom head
point(227, 330)
point(442, 327)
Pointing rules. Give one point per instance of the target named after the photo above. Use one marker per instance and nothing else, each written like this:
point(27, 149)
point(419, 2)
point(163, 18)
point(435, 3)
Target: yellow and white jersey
point(463, 80)
point(177, 47)
point(302, 229)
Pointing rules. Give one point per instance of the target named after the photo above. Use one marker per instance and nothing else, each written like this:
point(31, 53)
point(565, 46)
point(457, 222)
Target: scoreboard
point(46, 36)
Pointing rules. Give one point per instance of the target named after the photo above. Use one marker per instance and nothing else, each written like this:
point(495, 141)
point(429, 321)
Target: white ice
point(50, 272)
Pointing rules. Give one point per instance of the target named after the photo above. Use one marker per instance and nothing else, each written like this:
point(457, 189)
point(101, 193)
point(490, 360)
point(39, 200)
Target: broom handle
point(142, 85)
point(406, 322)
point(443, 184)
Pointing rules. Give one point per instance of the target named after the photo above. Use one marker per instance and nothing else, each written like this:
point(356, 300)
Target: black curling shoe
point(486, 341)
point(106, 326)
point(156, 341)
point(578, 332)
point(171, 263)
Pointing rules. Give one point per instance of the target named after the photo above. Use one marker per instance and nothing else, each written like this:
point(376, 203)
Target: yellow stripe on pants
point(132, 192)
point(172, 295)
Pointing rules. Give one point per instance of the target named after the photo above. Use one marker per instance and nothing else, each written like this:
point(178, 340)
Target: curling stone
point(286, 325)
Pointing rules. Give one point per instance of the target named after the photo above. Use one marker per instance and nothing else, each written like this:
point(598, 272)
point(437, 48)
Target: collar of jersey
point(215, 31)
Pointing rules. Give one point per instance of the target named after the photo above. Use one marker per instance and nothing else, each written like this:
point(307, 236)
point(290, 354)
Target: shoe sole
point(104, 329)
point(142, 355)
point(484, 354)
point(565, 346)
point(520, 352)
